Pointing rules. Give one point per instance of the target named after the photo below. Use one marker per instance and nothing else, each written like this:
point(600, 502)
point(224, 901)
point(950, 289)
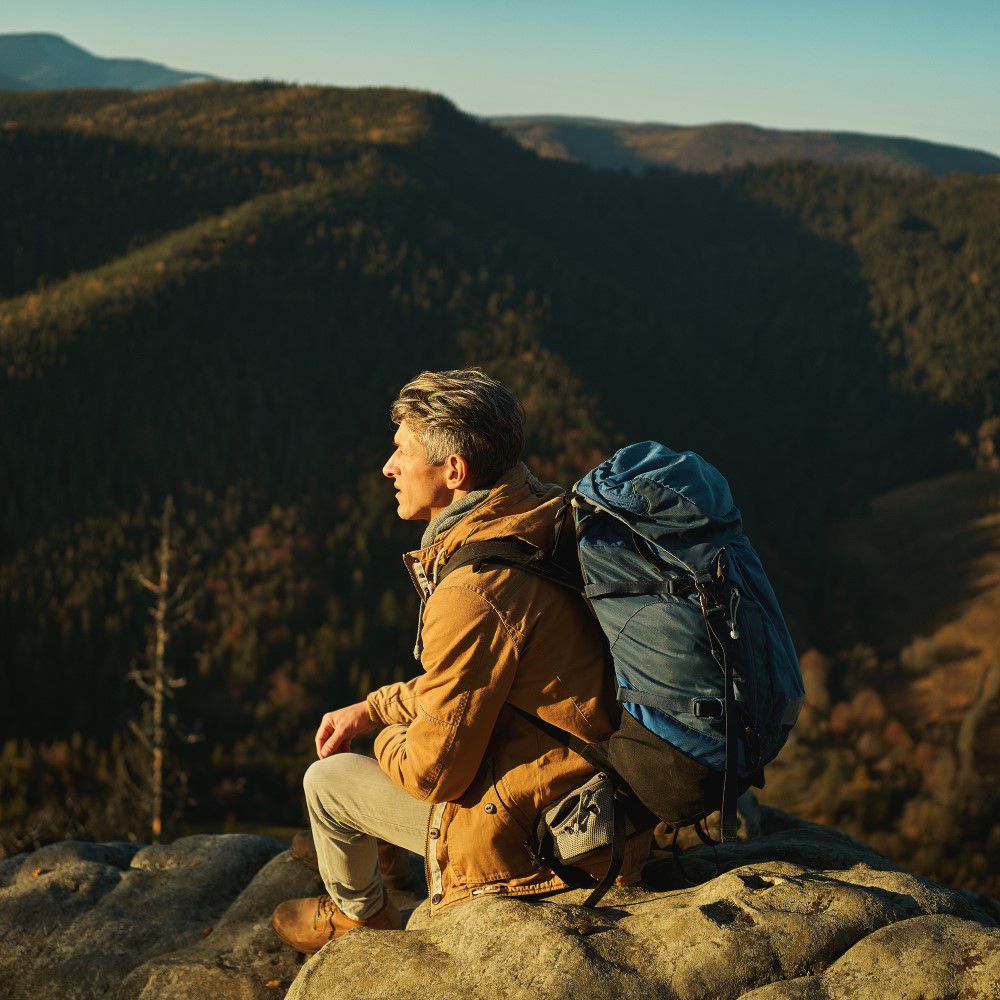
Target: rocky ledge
point(800, 912)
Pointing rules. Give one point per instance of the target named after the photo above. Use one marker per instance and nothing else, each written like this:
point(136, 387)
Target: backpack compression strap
point(675, 587)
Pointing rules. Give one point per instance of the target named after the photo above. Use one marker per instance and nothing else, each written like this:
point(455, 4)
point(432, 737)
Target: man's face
point(421, 489)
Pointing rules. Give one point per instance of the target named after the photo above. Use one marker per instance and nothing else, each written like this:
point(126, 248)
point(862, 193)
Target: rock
point(76, 919)
point(241, 957)
point(802, 912)
point(933, 957)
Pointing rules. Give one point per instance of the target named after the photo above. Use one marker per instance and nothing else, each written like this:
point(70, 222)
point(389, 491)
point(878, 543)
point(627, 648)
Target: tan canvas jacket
point(492, 639)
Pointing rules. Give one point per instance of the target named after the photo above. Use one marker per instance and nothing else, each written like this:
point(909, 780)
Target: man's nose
point(389, 469)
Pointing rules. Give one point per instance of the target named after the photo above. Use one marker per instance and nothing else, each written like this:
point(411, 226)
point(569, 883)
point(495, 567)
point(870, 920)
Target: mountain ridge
point(47, 61)
point(613, 144)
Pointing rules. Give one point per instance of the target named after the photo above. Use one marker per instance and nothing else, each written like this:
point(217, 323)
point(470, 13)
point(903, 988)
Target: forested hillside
point(214, 293)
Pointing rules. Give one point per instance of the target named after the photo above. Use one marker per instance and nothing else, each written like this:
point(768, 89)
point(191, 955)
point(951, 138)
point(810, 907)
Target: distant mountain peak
point(43, 60)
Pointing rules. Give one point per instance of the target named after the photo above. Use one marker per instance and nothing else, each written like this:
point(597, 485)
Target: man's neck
point(450, 501)
point(445, 518)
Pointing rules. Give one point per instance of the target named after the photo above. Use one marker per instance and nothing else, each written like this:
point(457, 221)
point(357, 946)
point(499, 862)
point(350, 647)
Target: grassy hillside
point(230, 283)
point(614, 145)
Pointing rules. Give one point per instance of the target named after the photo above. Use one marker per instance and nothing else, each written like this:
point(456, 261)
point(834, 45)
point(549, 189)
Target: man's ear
point(457, 476)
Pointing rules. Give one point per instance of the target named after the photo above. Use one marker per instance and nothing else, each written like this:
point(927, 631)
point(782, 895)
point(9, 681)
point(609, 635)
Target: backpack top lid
point(674, 499)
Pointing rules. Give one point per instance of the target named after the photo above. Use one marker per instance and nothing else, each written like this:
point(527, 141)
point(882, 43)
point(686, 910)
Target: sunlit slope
point(900, 739)
point(37, 329)
point(239, 346)
point(83, 200)
point(923, 572)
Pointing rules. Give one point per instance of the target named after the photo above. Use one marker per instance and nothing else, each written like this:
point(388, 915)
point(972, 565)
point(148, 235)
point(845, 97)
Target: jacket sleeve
point(469, 658)
point(394, 704)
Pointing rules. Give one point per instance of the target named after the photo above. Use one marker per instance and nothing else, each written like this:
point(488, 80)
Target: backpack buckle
point(707, 708)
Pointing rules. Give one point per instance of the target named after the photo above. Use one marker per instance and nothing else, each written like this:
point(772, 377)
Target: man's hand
point(338, 729)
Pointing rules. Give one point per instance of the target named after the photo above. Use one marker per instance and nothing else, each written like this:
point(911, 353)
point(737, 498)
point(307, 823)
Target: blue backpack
point(706, 672)
point(702, 656)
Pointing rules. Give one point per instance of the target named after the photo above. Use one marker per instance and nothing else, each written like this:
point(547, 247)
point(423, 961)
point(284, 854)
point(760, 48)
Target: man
point(459, 775)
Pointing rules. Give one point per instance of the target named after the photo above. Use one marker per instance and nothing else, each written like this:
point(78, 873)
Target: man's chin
point(406, 514)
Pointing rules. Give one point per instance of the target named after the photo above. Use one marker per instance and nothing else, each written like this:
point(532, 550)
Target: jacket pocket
point(490, 842)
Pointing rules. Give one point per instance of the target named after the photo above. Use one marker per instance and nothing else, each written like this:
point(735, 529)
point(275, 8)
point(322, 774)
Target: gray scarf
point(451, 515)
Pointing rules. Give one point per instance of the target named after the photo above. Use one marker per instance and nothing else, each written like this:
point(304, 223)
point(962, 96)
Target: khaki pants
point(351, 802)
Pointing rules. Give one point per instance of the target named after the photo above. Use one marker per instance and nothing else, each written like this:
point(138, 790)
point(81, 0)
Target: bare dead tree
point(968, 730)
point(171, 608)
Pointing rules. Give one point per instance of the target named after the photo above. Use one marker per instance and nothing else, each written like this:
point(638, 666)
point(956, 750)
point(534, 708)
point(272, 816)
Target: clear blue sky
point(908, 67)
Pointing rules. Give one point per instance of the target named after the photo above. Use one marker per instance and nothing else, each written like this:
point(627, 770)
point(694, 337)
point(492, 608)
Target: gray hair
point(464, 412)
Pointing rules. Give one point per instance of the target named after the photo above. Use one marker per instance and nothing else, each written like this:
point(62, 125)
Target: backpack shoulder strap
point(590, 752)
point(513, 552)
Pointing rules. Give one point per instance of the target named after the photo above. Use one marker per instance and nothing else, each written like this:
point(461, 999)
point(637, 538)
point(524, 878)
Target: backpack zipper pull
point(734, 603)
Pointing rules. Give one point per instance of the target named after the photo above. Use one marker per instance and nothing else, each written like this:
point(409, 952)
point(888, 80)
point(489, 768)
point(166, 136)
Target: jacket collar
point(451, 515)
point(511, 508)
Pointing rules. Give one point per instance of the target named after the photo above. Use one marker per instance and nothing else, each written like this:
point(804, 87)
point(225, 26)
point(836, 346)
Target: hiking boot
point(393, 861)
point(308, 924)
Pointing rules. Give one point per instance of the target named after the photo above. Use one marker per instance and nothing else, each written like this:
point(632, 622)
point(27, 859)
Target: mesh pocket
point(581, 821)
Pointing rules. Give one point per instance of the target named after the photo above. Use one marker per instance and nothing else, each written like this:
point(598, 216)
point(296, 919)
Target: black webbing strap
point(508, 552)
point(701, 708)
point(675, 587)
point(617, 857)
point(588, 751)
point(728, 824)
point(730, 778)
point(574, 877)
